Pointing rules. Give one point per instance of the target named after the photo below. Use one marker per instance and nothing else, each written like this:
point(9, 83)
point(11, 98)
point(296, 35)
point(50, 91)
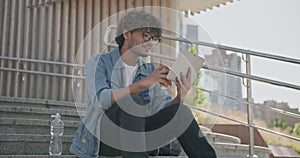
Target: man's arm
point(159, 75)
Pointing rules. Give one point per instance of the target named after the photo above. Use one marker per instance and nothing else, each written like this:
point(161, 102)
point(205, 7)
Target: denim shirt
point(104, 72)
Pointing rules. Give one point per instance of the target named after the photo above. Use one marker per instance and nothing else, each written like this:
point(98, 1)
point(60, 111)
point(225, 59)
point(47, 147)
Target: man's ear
point(126, 34)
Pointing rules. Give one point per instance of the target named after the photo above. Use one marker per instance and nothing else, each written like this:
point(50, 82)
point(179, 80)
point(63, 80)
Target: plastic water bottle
point(56, 131)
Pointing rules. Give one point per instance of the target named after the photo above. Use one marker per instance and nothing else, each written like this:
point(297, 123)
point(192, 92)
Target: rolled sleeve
point(105, 98)
point(98, 89)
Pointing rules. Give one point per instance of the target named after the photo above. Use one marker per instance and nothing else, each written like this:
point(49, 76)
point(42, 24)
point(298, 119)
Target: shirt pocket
point(88, 143)
point(145, 95)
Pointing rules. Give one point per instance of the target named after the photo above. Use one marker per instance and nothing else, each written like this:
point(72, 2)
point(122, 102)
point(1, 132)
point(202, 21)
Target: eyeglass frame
point(148, 37)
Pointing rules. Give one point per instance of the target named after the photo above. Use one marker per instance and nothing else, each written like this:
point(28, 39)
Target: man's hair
point(137, 21)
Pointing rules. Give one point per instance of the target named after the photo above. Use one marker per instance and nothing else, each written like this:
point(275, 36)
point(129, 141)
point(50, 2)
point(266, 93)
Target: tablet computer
point(183, 61)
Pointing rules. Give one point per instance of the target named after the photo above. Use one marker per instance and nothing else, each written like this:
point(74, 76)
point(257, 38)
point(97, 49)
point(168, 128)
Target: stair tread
point(31, 137)
point(37, 156)
point(35, 122)
point(73, 156)
point(236, 146)
point(39, 101)
point(216, 136)
point(36, 110)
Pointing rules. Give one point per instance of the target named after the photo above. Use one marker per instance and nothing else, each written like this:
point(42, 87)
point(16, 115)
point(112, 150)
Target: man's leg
point(110, 117)
point(125, 121)
point(134, 124)
point(195, 144)
point(192, 140)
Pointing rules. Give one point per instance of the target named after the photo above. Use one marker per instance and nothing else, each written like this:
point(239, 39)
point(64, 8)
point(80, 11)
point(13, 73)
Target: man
point(125, 101)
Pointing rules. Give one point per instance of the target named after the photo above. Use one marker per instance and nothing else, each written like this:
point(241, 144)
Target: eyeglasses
point(147, 37)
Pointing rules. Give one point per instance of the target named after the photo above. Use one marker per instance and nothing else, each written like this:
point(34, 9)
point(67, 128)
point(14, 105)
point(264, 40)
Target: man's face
point(141, 42)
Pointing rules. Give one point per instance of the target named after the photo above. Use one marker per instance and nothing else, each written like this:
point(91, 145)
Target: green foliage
point(296, 128)
point(279, 122)
point(289, 129)
point(193, 49)
point(200, 97)
point(296, 148)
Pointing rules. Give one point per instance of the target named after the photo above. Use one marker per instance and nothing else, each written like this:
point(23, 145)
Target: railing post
point(250, 109)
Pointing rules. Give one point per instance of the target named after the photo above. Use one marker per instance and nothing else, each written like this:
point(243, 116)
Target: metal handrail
point(245, 102)
point(245, 124)
point(41, 73)
point(82, 77)
point(214, 68)
point(218, 46)
point(252, 77)
point(41, 61)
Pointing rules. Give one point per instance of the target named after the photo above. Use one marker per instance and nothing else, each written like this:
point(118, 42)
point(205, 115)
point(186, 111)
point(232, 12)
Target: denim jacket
point(104, 72)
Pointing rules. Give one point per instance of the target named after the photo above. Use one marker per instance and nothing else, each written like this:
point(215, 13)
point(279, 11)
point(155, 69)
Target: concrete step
point(27, 144)
point(40, 103)
point(231, 150)
point(218, 137)
point(73, 156)
point(37, 156)
point(204, 129)
point(34, 126)
point(38, 113)
point(35, 146)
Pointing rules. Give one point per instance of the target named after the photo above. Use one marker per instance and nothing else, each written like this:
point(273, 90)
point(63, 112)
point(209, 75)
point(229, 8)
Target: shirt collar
point(115, 54)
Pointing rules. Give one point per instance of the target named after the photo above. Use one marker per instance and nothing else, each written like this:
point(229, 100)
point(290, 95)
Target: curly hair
point(137, 21)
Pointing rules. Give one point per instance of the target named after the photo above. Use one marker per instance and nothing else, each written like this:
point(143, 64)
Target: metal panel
point(41, 49)
point(4, 50)
point(72, 51)
point(19, 47)
point(49, 49)
point(11, 46)
point(27, 49)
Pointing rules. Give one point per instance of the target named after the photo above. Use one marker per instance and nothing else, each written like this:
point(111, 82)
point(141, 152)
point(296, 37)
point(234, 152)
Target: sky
point(269, 26)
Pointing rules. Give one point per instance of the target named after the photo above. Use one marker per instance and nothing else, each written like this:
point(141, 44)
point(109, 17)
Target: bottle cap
point(57, 116)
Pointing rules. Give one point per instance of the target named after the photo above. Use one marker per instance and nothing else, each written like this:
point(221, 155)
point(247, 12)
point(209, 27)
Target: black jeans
point(192, 140)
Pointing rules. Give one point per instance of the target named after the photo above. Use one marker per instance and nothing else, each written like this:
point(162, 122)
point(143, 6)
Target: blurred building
point(230, 85)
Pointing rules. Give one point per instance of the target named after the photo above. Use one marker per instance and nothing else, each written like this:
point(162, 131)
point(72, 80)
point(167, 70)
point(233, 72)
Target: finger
point(185, 82)
point(164, 71)
point(160, 66)
point(182, 77)
point(189, 73)
point(163, 76)
point(166, 83)
point(177, 82)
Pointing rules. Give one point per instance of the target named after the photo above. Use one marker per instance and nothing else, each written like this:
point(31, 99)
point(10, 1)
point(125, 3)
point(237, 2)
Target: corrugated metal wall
point(52, 30)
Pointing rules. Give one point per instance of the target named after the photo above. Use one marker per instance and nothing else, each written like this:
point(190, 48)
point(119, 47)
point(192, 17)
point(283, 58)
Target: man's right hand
point(159, 75)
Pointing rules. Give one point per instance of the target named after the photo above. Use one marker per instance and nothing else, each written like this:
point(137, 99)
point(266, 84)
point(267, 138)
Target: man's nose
point(150, 42)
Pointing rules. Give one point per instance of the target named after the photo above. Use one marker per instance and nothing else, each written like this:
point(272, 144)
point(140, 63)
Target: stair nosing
point(31, 138)
point(40, 101)
point(35, 122)
point(39, 110)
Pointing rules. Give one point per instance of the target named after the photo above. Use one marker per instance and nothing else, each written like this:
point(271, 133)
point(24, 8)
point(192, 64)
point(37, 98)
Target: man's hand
point(183, 86)
point(159, 75)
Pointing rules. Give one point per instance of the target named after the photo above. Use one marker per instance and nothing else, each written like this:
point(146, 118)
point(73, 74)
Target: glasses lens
point(146, 36)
